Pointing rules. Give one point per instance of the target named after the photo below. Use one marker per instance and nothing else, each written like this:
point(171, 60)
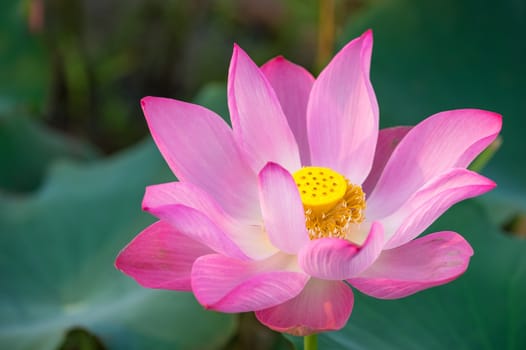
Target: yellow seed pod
point(320, 188)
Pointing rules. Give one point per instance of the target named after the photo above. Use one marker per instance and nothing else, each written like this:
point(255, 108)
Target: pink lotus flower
point(304, 196)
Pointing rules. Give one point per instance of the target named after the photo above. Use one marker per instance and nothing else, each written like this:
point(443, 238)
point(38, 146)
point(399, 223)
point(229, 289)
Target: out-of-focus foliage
point(98, 58)
point(483, 309)
point(434, 56)
point(56, 263)
point(81, 66)
point(24, 63)
point(431, 56)
point(27, 148)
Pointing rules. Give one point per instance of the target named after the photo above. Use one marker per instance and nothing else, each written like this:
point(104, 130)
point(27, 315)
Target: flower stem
point(325, 32)
point(480, 162)
point(310, 342)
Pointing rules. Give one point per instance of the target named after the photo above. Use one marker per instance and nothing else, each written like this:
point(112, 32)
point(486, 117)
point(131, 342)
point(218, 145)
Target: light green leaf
point(56, 261)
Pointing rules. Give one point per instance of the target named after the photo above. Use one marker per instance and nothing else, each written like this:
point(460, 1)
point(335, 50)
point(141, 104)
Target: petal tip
point(490, 184)
point(147, 100)
point(279, 59)
point(489, 116)
point(470, 252)
point(367, 35)
point(497, 119)
point(273, 62)
point(145, 206)
point(121, 262)
point(236, 51)
point(269, 166)
point(240, 57)
point(364, 41)
point(117, 263)
point(233, 64)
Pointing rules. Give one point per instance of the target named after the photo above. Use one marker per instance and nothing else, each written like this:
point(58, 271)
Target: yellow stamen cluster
point(332, 204)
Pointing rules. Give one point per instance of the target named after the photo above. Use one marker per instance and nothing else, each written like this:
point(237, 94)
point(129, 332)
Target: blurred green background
point(75, 158)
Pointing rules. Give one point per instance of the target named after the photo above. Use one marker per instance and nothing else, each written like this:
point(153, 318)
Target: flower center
point(332, 204)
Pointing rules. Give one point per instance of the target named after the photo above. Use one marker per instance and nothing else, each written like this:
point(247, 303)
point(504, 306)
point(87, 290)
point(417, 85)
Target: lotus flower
point(304, 198)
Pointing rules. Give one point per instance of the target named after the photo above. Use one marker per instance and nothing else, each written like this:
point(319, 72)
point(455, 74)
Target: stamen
point(332, 204)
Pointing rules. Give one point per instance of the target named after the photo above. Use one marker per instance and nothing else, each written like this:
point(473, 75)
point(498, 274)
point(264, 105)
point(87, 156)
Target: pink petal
point(339, 259)
point(292, 84)
point(321, 306)
point(443, 141)
point(199, 148)
point(426, 262)
point(282, 209)
point(230, 285)
point(197, 226)
point(248, 236)
point(388, 139)
point(260, 126)
point(342, 114)
point(431, 201)
point(161, 257)
point(183, 193)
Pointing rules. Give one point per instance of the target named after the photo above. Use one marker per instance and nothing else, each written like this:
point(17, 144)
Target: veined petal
point(342, 114)
point(199, 148)
point(230, 285)
point(248, 236)
point(321, 306)
point(339, 259)
point(443, 141)
point(183, 193)
point(282, 209)
point(388, 139)
point(196, 225)
point(426, 262)
point(431, 201)
point(260, 126)
point(161, 257)
point(292, 84)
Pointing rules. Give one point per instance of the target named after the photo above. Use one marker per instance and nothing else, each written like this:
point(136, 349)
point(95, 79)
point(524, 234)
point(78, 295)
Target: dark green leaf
point(213, 97)
point(431, 56)
point(24, 64)
point(27, 149)
point(483, 309)
point(80, 339)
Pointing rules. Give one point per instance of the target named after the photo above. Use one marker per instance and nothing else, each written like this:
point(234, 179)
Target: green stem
point(480, 162)
point(325, 32)
point(310, 342)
